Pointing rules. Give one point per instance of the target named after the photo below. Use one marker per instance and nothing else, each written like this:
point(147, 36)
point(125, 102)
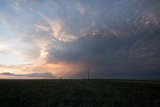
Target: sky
point(115, 39)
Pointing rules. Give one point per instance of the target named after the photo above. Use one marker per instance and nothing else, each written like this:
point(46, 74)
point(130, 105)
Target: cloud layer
point(44, 75)
point(119, 39)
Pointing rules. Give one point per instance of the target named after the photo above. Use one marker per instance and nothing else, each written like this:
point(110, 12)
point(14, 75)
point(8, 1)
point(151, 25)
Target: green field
point(79, 93)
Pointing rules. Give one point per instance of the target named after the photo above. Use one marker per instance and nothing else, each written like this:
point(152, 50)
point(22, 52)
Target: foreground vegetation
point(79, 93)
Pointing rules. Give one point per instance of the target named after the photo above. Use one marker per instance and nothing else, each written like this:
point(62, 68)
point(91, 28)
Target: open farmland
point(79, 93)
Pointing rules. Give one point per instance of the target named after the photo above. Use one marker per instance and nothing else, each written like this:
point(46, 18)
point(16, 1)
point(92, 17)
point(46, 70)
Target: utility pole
point(88, 73)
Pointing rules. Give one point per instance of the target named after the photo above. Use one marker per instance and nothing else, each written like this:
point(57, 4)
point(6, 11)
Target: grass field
point(79, 93)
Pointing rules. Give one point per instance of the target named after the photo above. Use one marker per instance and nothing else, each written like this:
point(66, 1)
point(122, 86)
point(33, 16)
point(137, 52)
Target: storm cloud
point(112, 38)
point(125, 40)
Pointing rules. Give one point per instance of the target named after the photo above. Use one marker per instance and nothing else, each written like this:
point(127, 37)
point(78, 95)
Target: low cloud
point(31, 75)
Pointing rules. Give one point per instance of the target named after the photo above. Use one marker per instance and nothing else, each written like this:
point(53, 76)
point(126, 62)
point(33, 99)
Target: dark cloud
point(137, 53)
point(128, 44)
point(105, 50)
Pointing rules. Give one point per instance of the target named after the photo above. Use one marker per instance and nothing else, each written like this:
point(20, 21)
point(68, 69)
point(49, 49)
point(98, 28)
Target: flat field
point(79, 93)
